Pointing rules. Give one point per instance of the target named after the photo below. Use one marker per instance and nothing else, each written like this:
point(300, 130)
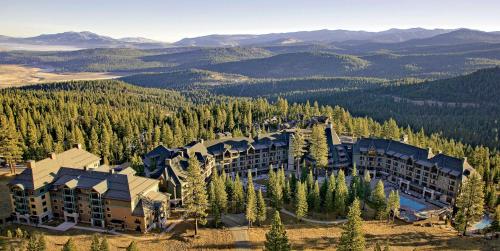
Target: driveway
point(239, 231)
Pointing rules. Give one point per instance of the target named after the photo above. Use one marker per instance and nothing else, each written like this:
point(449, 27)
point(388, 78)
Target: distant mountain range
point(81, 40)
point(360, 40)
point(318, 36)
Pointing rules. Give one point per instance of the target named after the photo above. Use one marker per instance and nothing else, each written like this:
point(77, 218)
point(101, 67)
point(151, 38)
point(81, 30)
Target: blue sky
point(172, 20)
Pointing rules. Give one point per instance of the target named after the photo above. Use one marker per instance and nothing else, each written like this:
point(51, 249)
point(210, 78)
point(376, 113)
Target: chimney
point(52, 155)
point(111, 170)
point(30, 164)
point(78, 146)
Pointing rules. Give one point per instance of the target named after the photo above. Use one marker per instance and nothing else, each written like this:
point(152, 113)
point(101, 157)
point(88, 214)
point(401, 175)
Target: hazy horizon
point(171, 21)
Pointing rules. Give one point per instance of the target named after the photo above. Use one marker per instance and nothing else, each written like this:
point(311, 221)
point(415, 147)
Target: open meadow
point(19, 75)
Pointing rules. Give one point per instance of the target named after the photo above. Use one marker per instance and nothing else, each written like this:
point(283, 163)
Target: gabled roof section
point(447, 164)
point(44, 172)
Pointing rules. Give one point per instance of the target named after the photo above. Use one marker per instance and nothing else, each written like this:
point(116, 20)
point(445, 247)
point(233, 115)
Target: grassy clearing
point(400, 236)
point(180, 239)
point(18, 75)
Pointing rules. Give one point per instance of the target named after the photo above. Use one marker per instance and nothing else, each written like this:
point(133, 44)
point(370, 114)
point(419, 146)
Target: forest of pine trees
point(120, 122)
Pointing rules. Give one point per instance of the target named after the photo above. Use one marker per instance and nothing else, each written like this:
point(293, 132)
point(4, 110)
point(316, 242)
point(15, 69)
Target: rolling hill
point(298, 64)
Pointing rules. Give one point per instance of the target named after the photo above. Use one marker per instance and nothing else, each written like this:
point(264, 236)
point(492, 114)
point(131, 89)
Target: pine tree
point(469, 202)
point(10, 144)
point(214, 207)
point(196, 201)
point(251, 205)
point(319, 148)
point(329, 203)
point(366, 187)
point(298, 143)
point(238, 195)
point(379, 200)
point(32, 244)
point(261, 208)
point(104, 246)
point(352, 238)
point(315, 197)
point(276, 238)
point(301, 201)
point(95, 245)
point(496, 220)
point(341, 193)
point(42, 244)
point(132, 246)
point(393, 204)
point(94, 142)
point(69, 245)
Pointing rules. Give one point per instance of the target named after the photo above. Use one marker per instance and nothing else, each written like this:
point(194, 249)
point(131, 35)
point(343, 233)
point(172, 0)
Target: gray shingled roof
point(421, 156)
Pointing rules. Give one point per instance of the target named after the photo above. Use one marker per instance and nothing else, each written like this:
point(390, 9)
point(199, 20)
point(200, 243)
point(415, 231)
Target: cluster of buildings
point(73, 186)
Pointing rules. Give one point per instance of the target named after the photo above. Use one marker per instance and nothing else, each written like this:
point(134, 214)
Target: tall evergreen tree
point(10, 144)
point(341, 193)
point(196, 201)
point(261, 208)
point(238, 195)
point(393, 204)
point(366, 187)
point(319, 148)
point(352, 238)
point(301, 207)
point(214, 206)
point(276, 238)
point(298, 144)
point(379, 200)
point(469, 202)
point(329, 203)
point(251, 205)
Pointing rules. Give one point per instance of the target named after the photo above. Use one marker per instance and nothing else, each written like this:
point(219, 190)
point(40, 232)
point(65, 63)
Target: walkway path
point(238, 230)
point(173, 224)
point(315, 221)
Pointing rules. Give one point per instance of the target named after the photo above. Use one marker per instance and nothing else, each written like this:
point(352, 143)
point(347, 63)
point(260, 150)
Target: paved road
point(236, 224)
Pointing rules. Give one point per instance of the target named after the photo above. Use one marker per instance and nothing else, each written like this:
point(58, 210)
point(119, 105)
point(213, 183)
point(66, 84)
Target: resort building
point(73, 187)
point(435, 178)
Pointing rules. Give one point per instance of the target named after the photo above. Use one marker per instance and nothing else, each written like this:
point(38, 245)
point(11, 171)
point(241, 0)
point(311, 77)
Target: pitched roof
point(447, 164)
point(44, 171)
point(119, 186)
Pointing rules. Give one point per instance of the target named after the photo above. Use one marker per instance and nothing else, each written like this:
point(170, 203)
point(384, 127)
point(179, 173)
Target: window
point(33, 206)
point(44, 209)
point(109, 215)
point(56, 207)
point(43, 197)
point(32, 199)
point(44, 203)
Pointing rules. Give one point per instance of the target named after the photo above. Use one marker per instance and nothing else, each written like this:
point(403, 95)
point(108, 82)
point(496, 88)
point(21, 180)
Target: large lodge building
point(74, 187)
point(414, 170)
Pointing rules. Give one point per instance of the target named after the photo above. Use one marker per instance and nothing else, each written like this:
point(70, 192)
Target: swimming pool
point(412, 204)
